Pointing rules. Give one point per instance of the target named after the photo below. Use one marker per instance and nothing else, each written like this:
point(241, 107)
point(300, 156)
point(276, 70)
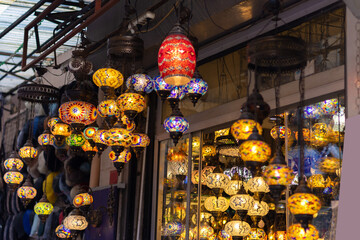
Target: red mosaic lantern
point(177, 58)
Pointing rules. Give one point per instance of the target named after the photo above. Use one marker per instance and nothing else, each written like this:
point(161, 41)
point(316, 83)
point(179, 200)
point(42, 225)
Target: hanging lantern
point(118, 138)
point(243, 128)
point(139, 141)
point(52, 121)
point(176, 58)
point(234, 185)
point(83, 200)
point(26, 192)
point(208, 150)
point(13, 161)
point(119, 161)
point(205, 173)
point(205, 230)
point(303, 204)
point(89, 150)
point(131, 103)
point(177, 156)
point(242, 202)
point(176, 95)
point(281, 130)
point(259, 209)
point(140, 83)
point(109, 110)
point(237, 228)
point(13, 178)
point(297, 232)
point(173, 229)
point(60, 130)
point(108, 78)
point(62, 232)
point(217, 180)
point(329, 165)
point(75, 222)
point(89, 132)
point(100, 139)
point(46, 139)
point(162, 88)
point(176, 125)
point(316, 181)
point(196, 88)
point(43, 208)
point(28, 153)
point(77, 114)
point(256, 234)
point(278, 175)
point(75, 141)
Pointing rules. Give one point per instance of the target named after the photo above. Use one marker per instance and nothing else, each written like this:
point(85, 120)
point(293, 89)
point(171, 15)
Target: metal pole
point(188, 188)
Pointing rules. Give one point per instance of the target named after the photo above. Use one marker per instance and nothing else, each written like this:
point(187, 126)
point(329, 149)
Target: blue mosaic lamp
point(162, 88)
point(176, 125)
point(140, 83)
point(176, 95)
point(196, 88)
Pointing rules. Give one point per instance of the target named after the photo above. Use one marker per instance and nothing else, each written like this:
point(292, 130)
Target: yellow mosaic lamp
point(75, 222)
point(13, 178)
point(26, 192)
point(316, 181)
point(43, 208)
point(208, 150)
point(28, 153)
point(243, 128)
point(52, 121)
point(119, 161)
point(297, 232)
point(329, 165)
point(46, 139)
point(131, 103)
point(108, 78)
point(60, 130)
point(139, 141)
point(278, 175)
point(118, 138)
point(303, 204)
point(89, 150)
point(13, 161)
point(280, 130)
point(109, 110)
point(236, 228)
point(306, 134)
point(100, 138)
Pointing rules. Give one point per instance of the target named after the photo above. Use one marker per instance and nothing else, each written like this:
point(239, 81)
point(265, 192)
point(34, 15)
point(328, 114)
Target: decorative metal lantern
point(237, 228)
point(77, 114)
point(140, 83)
point(119, 161)
point(75, 141)
point(13, 178)
point(106, 78)
point(216, 204)
point(28, 153)
point(89, 150)
point(177, 58)
point(62, 232)
point(196, 88)
point(297, 232)
point(60, 130)
point(109, 110)
point(26, 192)
point(217, 180)
point(75, 221)
point(83, 199)
point(162, 88)
point(131, 103)
point(46, 139)
point(100, 139)
point(43, 208)
point(176, 95)
point(234, 185)
point(176, 125)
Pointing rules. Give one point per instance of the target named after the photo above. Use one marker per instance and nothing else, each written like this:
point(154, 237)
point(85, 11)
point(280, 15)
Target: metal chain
point(301, 124)
point(357, 81)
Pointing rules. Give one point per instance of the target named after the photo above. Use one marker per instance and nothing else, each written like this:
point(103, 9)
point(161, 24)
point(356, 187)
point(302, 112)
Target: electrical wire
point(212, 20)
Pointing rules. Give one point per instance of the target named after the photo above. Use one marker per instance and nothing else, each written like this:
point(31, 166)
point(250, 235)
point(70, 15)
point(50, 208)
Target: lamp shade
point(259, 209)
point(296, 232)
point(243, 128)
point(256, 234)
point(237, 228)
point(75, 221)
point(100, 139)
point(77, 113)
point(205, 230)
point(208, 150)
point(176, 58)
point(277, 131)
point(89, 132)
point(316, 181)
point(46, 139)
point(108, 108)
point(108, 77)
point(255, 150)
point(233, 186)
point(216, 204)
point(28, 152)
point(304, 203)
point(217, 180)
point(13, 178)
point(83, 199)
point(176, 124)
point(13, 161)
point(62, 232)
point(173, 228)
point(52, 121)
point(177, 93)
point(131, 103)
point(277, 173)
point(242, 202)
point(75, 140)
point(43, 208)
point(257, 184)
point(140, 83)
point(329, 165)
point(26, 192)
point(162, 88)
point(140, 140)
point(196, 86)
point(118, 137)
point(124, 157)
point(60, 130)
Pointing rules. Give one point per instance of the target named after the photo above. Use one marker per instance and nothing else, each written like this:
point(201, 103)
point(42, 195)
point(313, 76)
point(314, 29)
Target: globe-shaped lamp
point(108, 78)
point(77, 114)
point(75, 221)
point(83, 199)
point(62, 232)
point(13, 161)
point(28, 153)
point(297, 232)
point(162, 88)
point(43, 208)
point(118, 137)
point(13, 178)
point(176, 125)
point(140, 83)
point(216, 204)
point(196, 88)
point(243, 128)
point(131, 103)
point(26, 192)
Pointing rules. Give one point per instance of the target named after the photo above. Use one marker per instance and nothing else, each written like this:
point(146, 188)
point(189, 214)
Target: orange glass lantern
point(176, 58)
point(13, 161)
point(118, 137)
point(28, 153)
point(83, 199)
point(131, 103)
point(26, 192)
point(77, 114)
point(106, 78)
point(297, 232)
point(13, 178)
point(60, 130)
point(89, 150)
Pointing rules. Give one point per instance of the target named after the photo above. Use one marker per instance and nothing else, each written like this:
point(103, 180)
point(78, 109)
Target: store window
point(190, 207)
